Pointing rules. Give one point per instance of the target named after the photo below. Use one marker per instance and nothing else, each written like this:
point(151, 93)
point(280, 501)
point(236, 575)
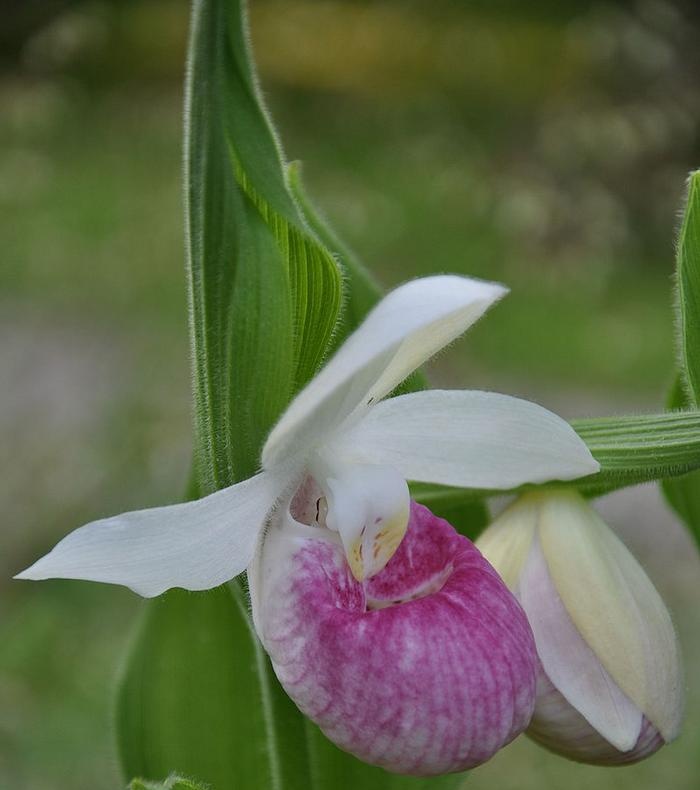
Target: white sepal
point(405, 329)
point(469, 439)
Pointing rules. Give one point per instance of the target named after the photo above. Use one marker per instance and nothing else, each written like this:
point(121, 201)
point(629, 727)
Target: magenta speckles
point(428, 667)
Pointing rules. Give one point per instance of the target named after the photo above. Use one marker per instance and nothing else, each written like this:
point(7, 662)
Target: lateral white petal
point(404, 330)
point(569, 662)
point(467, 439)
point(196, 545)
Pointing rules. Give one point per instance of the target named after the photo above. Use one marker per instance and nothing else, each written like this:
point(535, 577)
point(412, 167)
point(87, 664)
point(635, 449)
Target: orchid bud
point(426, 667)
point(610, 688)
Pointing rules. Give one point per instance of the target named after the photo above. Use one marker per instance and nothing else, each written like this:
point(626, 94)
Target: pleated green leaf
point(637, 449)
point(264, 292)
point(361, 290)
point(683, 493)
point(688, 281)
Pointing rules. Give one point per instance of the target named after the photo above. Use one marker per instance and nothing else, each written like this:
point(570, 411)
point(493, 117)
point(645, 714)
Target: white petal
point(467, 439)
point(196, 545)
point(569, 662)
point(621, 616)
point(404, 330)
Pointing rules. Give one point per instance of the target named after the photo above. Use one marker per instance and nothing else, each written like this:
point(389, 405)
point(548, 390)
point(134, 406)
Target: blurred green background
point(544, 144)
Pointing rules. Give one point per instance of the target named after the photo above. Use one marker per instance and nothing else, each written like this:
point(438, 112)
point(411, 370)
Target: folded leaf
point(637, 449)
point(688, 281)
point(264, 292)
point(683, 493)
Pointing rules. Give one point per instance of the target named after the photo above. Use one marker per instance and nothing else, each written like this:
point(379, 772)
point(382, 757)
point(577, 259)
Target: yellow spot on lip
point(383, 545)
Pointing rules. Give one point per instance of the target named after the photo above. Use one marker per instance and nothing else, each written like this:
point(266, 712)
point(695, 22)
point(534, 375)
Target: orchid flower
point(610, 684)
point(410, 653)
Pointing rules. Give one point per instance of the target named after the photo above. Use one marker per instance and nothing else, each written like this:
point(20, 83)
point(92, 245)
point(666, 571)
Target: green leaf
point(198, 698)
point(261, 346)
point(362, 291)
point(173, 782)
point(637, 449)
point(683, 493)
point(688, 280)
point(264, 292)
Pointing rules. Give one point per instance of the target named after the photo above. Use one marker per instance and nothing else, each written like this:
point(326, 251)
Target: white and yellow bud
point(610, 688)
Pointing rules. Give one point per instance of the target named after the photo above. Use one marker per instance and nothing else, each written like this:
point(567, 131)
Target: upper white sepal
point(408, 326)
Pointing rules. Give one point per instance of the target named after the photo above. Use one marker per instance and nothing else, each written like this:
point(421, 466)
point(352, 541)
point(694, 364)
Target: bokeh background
point(544, 144)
